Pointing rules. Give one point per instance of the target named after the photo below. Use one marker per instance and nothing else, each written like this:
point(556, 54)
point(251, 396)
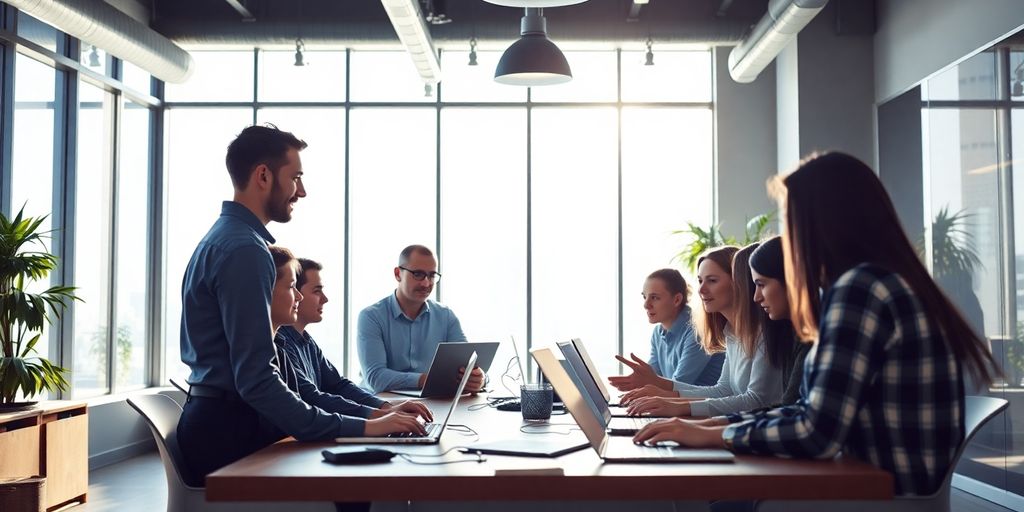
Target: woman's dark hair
point(838, 215)
point(749, 317)
point(710, 327)
point(768, 259)
point(674, 283)
point(779, 337)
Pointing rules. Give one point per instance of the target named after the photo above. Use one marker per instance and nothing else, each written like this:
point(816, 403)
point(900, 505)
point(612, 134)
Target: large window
point(93, 191)
point(36, 141)
point(81, 155)
point(546, 213)
point(973, 216)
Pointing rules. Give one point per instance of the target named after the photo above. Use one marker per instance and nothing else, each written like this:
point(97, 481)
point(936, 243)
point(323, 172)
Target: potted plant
point(23, 314)
point(703, 239)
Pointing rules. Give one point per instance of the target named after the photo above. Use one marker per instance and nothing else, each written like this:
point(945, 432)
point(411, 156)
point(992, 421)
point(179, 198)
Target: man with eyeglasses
point(397, 336)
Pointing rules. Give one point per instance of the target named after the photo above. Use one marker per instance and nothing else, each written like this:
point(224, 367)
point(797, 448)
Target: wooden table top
point(294, 471)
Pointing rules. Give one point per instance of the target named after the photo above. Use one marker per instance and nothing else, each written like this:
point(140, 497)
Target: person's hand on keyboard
point(413, 407)
point(394, 422)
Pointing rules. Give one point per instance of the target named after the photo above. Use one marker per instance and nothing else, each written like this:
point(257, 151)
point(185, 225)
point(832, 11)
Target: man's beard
point(277, 205)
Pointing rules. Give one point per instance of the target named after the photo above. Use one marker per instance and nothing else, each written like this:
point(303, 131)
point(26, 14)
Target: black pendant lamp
point(533, 59)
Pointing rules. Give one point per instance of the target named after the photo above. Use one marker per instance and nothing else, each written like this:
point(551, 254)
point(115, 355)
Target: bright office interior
point(547, 205)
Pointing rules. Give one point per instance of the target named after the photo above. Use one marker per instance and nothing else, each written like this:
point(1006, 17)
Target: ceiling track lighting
point(437, 12)
point(94, 58)
point(1017, 85)
point(299, 48)
point(472, 51)
point(533, 59)
point(650, 54)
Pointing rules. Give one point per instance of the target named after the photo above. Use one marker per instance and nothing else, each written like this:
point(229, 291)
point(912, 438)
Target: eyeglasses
point(420, 275)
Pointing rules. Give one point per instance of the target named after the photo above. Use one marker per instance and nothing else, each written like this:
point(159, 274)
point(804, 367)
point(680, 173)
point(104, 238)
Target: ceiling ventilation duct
point(779, 26)
point(102, 25)
point(412, 31)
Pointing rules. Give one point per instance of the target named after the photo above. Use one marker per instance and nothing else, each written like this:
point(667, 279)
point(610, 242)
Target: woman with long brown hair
point(886, 382)
point(733, 322)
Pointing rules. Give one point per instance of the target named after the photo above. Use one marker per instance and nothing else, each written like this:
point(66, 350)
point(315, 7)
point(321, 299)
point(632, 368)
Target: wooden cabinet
point(51, 440)
point(19, 444)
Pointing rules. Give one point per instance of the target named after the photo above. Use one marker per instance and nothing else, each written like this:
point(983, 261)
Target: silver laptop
point(610, 448)
point(593, 397)
point(616, 410)
point(434, 430)
point(448, 358)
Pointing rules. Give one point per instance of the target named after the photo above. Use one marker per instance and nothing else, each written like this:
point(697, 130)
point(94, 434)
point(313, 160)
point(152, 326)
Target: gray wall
point(917, 38)
point(744, 145)
point(836, 89)
point(900, 161)
point(825, 93)
point(117, 432)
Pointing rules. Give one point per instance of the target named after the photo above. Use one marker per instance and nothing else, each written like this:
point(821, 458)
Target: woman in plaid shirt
point(885, 380)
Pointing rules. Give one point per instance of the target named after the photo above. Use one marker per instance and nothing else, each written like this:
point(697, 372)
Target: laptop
point(448, 358)
point(611, 448)
point(592, 395)
point(434, 430)
point(617, 410)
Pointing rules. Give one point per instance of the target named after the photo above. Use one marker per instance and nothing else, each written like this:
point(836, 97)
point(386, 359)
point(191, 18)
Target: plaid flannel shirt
point(882, 386)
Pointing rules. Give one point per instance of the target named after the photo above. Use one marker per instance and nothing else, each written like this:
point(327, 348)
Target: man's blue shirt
point(226, 335)
point(394, 350)
point(319, 382)
point(677, 355)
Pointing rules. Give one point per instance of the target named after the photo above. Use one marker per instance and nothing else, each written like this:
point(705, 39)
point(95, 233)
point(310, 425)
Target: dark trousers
point(213, 433)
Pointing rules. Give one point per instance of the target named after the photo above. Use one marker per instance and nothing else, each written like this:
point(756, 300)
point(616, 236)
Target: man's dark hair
point(258, 145)
point(403, 258)
point(306, 264)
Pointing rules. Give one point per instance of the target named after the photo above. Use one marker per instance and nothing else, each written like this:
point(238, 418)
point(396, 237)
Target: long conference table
point(295, 471)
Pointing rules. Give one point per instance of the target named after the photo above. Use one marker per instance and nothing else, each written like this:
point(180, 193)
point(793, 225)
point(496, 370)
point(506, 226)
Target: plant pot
point(17, 406)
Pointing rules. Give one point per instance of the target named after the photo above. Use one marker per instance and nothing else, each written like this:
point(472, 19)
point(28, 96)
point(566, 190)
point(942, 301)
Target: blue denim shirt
point(319, 382)
point(394, 350)
point(226, 335)
point(677, 355)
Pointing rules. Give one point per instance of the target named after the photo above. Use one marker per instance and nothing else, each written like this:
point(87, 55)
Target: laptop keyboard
point(639, 423)
point(431, 428)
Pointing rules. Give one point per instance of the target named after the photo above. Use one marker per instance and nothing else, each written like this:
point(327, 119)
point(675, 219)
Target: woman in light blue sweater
point(749, 380)
point(676, 355)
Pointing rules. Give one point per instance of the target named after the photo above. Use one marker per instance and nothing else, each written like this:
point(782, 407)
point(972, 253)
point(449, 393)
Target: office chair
point(161, 414)
point(182, 386)
point(978, 410)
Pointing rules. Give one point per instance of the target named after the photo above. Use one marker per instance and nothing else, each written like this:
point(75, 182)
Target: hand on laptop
point(394, 422)
point(659, 406)
point(476, 379)
point(410, 407)
point(648, 390)
point(643, 375)
point(684, 432)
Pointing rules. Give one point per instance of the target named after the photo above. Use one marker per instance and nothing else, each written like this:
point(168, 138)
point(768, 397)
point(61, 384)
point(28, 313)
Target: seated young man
point(319, 382)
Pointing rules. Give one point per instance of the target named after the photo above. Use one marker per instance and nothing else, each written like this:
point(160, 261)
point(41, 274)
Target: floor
point(139, 484)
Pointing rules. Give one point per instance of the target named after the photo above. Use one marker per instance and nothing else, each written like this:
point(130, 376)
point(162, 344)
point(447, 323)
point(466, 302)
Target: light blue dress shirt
point(677, 355)
point(394, 350)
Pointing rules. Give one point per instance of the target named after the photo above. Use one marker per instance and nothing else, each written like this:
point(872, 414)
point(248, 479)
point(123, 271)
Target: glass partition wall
point(536, 201)
point(973, 139)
